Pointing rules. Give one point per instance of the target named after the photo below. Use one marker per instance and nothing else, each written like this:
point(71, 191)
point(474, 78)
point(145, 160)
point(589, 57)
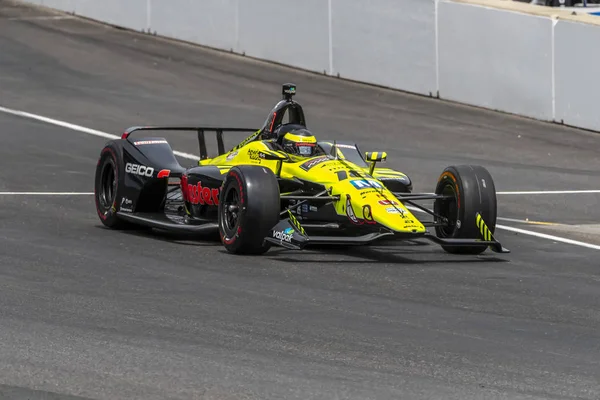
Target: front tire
point(249, 207)
point(106, 187)
point(471, 190)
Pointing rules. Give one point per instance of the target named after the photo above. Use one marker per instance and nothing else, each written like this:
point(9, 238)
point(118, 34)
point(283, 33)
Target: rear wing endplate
point(200, 131)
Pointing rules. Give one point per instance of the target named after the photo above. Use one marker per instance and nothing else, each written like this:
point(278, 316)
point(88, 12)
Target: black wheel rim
point(447, 208)
point(231, 210)
point(108, 186)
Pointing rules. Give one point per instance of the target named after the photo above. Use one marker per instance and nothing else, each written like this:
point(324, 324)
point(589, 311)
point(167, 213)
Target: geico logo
point(139, 169)
point(282, 236)
point(197, 194)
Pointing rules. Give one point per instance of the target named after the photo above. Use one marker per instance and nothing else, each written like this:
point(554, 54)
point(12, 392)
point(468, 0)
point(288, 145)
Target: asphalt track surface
point(86, 312)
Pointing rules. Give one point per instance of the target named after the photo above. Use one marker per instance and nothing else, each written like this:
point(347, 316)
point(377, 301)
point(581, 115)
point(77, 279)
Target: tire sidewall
point(476, 193)
point(258, 212)
point(109, 154)
point(233, 240)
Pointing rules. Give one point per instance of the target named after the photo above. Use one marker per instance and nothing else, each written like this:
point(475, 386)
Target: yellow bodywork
point(369, 200)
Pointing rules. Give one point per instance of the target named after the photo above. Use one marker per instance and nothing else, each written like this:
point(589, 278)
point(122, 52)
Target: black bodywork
point(155, 186)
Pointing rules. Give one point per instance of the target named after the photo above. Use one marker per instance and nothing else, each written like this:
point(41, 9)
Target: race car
point(281, 186)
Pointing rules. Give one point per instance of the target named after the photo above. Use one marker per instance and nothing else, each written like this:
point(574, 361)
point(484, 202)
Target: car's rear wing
point(200, 131)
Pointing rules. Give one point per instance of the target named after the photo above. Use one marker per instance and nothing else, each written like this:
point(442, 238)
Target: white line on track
point(94, 132)
point(527, 221)
point(552, 192)
point(532, 233)
point(546, 192)
point(549, 237)
point(78, 128)
point(46, 193)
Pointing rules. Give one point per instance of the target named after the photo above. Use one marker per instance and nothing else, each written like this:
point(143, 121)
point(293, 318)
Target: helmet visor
point(305, 149)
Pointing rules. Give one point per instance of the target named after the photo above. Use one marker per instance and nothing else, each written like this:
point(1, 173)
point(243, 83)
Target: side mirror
point(272, 156)
point(375, 157)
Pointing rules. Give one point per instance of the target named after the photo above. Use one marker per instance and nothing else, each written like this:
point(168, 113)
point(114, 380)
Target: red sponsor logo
point(164, 173)
point(184, 184)
point(388, 202)
point(197, 194)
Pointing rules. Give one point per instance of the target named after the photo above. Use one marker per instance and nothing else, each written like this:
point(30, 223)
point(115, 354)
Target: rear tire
point(473, 191)
point(249, 206)
point(107, 185)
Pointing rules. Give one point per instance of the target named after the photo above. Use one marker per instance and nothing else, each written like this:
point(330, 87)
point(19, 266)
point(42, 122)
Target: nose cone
point(396, 216)
point(387, 211)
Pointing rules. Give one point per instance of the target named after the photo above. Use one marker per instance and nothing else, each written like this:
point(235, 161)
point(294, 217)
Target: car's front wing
point(290, 234)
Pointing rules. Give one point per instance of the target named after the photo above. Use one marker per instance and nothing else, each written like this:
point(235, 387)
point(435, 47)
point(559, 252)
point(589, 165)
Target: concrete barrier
point(211, 23)
point(508, 56)
point(388, 42)
point(289, 32)
point(577, 61)
point(496, 59)
point(132, 14)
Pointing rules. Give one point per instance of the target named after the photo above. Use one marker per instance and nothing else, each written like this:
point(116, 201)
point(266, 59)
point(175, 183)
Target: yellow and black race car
point(281, 186)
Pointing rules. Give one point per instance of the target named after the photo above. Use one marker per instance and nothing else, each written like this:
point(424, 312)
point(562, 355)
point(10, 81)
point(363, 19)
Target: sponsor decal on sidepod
point(197, 194)
point(254, 154)
point(126, 205)
point(141, 170)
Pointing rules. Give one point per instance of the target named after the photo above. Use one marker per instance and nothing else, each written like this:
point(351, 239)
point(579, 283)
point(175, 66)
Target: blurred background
point(563, 3)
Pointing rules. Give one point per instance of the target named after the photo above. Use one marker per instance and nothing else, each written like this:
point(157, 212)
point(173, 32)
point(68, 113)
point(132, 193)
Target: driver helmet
point(298, 141)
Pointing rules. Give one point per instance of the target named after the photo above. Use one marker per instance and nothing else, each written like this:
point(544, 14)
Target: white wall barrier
point(496, 59)
point(290, 32)
point(131, 14)
point(211, 23)
point(512, 57)
point(577, 62)
point(386, 42)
